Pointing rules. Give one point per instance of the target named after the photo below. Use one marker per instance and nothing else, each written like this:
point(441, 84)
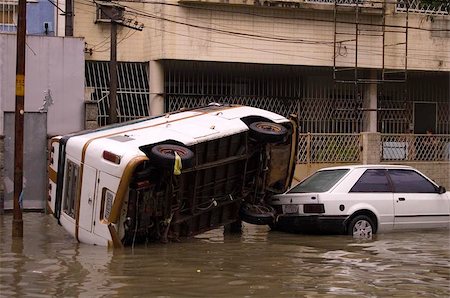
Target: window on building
point(71, 188)
point(132, 89)
point(8, 16)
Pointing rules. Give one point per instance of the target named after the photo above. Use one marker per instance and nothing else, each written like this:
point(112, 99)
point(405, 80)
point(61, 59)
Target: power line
point(55, 5)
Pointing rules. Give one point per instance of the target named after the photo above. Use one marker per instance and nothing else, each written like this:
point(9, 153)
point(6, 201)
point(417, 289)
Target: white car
point(361, 200)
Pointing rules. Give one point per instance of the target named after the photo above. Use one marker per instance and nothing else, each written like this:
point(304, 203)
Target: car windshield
point(320, 181)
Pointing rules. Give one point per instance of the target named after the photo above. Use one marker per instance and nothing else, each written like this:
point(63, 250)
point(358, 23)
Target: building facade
point(346, 68)
point(41, 17)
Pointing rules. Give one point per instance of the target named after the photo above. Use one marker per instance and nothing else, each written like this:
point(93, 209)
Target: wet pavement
point(258, 263)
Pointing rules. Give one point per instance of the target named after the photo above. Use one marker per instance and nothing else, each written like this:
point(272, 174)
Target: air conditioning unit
point(107, 10)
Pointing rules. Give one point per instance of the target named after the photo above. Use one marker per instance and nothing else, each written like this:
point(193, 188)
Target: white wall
point(52, 64)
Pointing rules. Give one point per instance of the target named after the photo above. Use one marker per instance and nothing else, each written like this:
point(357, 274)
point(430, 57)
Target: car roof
point(371, 166)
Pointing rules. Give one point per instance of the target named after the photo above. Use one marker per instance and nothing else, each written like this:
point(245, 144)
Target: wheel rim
point(362, 229)
point(268, 127)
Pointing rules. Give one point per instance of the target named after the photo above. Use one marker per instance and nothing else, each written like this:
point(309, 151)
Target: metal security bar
point(328, 108)
point(329, 148)
point(8, 15)
point(280, 106)
point(132, 90)
point(409, 147)
point(314, 113)
point(396, 110)
point(329, 112)
point(321, 106)
point(418, 6)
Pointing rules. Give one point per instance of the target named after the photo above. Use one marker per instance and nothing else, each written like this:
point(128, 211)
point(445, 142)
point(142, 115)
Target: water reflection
point(49, 263)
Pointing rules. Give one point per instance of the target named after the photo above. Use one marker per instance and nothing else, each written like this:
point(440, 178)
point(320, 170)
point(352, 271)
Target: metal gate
point(34, 161)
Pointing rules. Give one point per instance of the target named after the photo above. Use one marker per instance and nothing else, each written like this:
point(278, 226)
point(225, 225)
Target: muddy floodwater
point(258, 263)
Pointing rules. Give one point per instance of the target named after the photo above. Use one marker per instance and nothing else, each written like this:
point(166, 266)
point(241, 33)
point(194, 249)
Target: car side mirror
point(441, 190)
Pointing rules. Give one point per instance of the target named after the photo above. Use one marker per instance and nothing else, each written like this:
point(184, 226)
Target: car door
point(373, 191)
point(417, 202)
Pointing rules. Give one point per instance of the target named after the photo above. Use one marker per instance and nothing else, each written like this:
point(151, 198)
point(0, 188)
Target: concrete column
point(90, 114)
point(370, 104)
point(371, 148)
point(2, 169)
point(156, 82)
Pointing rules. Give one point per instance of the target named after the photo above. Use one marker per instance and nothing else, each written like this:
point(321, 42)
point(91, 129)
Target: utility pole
point(69, 18)
point(17, 224)
point(114, 14)
point(113, 69)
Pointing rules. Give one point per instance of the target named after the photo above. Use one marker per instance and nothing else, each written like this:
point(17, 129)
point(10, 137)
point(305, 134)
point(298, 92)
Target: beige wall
point(174, 40)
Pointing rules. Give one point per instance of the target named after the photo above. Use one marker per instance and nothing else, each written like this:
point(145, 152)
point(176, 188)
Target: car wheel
point(361, 227)
point(273, 226)
point(164, 155)
point(256, 214)
point(267, 132)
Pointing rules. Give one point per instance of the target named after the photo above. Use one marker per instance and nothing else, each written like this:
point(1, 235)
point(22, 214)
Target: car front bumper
point(314, 224)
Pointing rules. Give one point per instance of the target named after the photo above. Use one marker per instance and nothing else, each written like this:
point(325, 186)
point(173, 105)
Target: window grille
point(8, 16)
point(396, 102)
point(320, 105)
point(132, 89)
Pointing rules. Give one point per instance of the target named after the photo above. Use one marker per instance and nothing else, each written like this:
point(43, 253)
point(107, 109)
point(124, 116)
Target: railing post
point(371, 148)
point(308, 148)
point(90, 114)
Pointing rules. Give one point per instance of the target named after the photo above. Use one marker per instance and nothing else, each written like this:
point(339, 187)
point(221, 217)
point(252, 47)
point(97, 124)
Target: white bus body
point(171, 176)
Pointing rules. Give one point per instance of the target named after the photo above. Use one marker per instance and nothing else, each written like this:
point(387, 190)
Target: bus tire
point(267, 132)
point(164, 155)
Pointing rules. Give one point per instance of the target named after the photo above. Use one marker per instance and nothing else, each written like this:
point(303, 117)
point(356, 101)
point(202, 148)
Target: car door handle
point(401, 199)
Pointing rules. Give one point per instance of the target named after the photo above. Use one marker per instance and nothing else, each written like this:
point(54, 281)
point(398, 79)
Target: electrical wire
point(127, 35)
point(57, 7)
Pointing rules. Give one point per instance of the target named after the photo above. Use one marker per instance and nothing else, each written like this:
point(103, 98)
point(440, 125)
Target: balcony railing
point(329, 148)
point(415, 6)
point(346, 148)
point(349, 2)
point(418, 6)
point(409, 147)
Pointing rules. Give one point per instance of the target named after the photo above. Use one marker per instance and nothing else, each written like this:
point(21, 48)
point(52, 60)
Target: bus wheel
point(267, 132)
point(164, 155)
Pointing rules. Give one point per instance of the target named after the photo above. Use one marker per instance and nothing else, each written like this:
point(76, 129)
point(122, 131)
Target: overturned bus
point(172, 176)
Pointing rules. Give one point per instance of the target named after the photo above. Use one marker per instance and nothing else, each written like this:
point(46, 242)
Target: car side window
point(409, 181)
point(373, 180)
